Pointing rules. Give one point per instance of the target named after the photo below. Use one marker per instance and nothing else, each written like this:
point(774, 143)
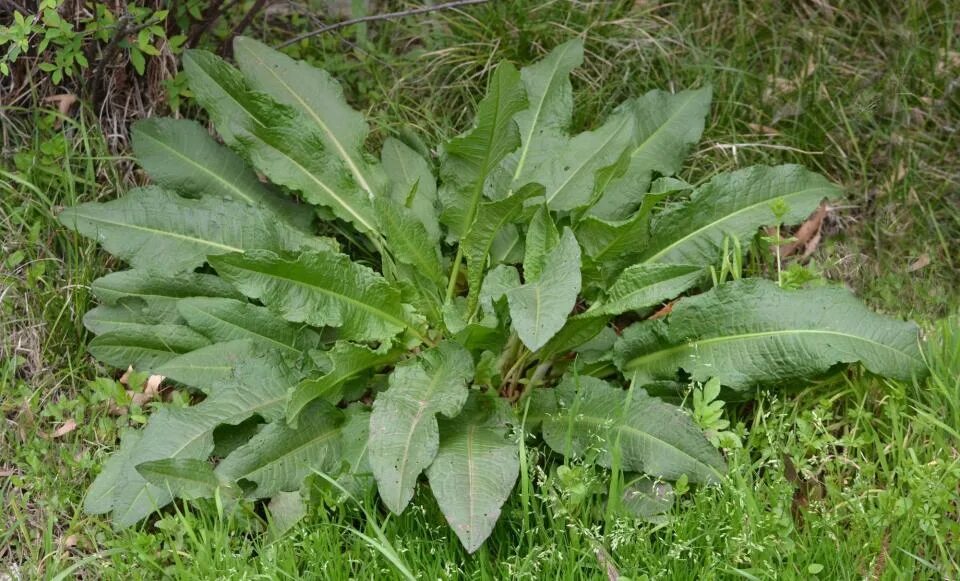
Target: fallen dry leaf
point(4, 472)
point(151, 391)
point(125, 378)
point(64, 103)
point(807, 235)
point(663, 311)
point(67, 427)
point(921, 262)
point(70, 542)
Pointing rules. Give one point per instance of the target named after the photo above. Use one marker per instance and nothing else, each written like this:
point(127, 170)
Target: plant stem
point(454, 271)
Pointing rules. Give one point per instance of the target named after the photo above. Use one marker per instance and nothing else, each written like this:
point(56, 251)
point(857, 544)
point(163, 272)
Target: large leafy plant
point(443, 313)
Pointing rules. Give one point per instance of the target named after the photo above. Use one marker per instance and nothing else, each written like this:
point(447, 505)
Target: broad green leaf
point(127, 312)
point(187, 478)
point(545, 123)
point(259, 387)
point(575, 332)
point(645, 285)
point(652, 436)
point(276, 140)
point(539, 308)
point(412, 184)
point(208, 366)
point(179, 155)
point(491, 219)
point(160, 291)
point(99, 497)
point(647, 499)
point(222, 320)
point(347, 361)
point(734, 204)
point(750, 333)
point(613, 246)
point(355, 474)
point(499, 280)
point(403, 427)
point(469, 158)
point(320, 289)
point(145, 347)
point(409, 241)
point(279, 457)
point(162, 232)
point(475, 469)
point(318, 97)
point(569, 174)
point(667, 126)
point(542, 237)
point(286, 510)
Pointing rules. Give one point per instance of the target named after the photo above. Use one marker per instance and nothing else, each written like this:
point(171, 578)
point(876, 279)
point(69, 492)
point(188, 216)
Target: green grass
point(863, 92)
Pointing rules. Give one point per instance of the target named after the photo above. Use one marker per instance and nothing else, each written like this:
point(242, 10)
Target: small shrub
point(444, 313)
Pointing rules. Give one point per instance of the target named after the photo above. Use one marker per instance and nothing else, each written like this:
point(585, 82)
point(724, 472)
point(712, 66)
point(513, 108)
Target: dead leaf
point(67, 427)
point(151, 389)
point(64, 103)
point(663, 311)
point(69, 542)
point(125, 378)
point(807, 235)
point(4, 472)
point(921, 262)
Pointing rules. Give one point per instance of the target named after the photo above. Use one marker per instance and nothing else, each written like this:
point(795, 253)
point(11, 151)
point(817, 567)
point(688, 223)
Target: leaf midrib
point(378, 313)
point(637, 362)
point(582, 417)
point(525, 148)
point(603, 146)
point(333, 138)
point(726, 217)
point(229, 185)
point(156, 232)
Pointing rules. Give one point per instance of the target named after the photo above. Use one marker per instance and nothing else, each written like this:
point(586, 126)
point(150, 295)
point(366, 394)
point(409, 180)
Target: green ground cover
point(853, 478)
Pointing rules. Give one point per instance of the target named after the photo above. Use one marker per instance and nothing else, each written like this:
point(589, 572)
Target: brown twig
point(227, 47)
point(375, 17)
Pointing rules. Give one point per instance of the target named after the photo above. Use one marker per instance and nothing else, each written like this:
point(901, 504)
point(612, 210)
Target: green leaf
point(539, 308)
point(160, 291)
point(647, 499)
point(286, 510)
point(645, 285)
point(403, 427)
point(279, 457)
point(613, 246)
point(750, 333)
point(208, 366)
point(409, 241)
point(222, 320)
point(276, 140)
point(475, 469)
point(545, 123)
point(187, 478)
point(734, 204)
point(569, 175)
point(653, 437)
point(575, 332)
point(412, 183)
point(542, 237)
point(320, 289)
point(259, 387)
point(145, 347)
point(491, 219)
point(319, 98)
point(667, 126)
point(126, 312)
point(180, 155)
point(160, 231)
point(356, 475)
point(347, 361)
point(99, 497)
point(469, 158)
